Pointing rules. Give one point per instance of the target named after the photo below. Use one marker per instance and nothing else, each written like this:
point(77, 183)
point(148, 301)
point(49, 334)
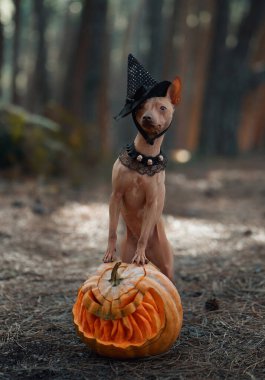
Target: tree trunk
point(39, 88)
point(1, 56)
point(95, 56)
point(103, 106)
point(251, 134)
point(169, 49)
point(86, 93)
point(95, 102)
point(15, 64)
point(155, 30)
point(201, 49)
point(212, 111)
point(228, 81)
point(185, 64)
point(131, 30)
point(67, 41)
point(238, 68)
point(76, 72)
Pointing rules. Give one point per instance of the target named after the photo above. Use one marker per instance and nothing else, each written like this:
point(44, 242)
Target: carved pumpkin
point(126, 310)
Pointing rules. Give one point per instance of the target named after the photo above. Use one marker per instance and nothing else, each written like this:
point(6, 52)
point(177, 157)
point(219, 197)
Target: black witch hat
point(140, 87)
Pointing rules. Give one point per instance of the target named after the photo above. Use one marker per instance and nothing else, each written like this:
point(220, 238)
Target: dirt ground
point(53, 235)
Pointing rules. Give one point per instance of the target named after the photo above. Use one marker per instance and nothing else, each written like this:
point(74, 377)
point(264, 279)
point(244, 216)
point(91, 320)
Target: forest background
point(63, 74)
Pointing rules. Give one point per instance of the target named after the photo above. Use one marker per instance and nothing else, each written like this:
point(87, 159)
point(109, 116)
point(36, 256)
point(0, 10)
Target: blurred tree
point(64, 59)
point(77, 65)
point(38, 91)
point(66, 47)
point(251, 134)
point(87, 76)
point(229, 78)
point(15, 63)
point(103, 108)
point(172, 21)
point(182, 45)
point(1, 55)
point(132, 28)
point(201, 51)
point(155, 31)
point(96, 103)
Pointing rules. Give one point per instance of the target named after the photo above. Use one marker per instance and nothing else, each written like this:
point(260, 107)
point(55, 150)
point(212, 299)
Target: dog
point(139, 198)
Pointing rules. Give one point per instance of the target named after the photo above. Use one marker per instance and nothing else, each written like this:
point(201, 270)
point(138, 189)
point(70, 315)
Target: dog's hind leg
point(160, 252)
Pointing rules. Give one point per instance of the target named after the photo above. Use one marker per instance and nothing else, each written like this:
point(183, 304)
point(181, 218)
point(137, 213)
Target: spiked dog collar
point(149, 165)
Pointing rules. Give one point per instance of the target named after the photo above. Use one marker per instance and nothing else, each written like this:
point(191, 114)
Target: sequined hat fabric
point(140, 86)
point(137, 77)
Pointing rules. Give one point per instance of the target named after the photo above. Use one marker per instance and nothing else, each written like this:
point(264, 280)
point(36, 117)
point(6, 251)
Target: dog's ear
point(174, 90)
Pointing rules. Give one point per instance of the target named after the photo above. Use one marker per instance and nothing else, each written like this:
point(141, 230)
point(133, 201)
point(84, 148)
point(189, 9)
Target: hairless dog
point(139, 196)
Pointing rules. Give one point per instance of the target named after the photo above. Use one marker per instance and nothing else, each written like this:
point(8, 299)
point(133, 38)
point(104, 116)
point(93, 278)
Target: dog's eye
point(163, 108)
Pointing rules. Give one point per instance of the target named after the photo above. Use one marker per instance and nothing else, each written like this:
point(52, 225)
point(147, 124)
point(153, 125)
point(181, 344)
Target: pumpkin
point(127, 311)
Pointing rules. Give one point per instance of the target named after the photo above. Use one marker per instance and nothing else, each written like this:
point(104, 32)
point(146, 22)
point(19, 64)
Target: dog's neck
point(146, 149)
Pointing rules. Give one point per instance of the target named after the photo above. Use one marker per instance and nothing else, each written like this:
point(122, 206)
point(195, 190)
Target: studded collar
point(142, 164)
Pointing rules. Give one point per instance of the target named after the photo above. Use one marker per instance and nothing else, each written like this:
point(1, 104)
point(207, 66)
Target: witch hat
point(140, 87)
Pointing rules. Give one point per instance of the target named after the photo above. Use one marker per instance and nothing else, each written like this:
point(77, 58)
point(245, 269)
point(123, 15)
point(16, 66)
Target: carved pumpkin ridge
point(140, 325)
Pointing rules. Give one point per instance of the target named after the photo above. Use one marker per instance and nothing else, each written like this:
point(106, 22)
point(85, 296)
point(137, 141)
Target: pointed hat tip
point(132, 59)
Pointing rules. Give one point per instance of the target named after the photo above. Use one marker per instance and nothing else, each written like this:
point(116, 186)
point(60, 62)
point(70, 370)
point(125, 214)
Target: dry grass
point(52, 237)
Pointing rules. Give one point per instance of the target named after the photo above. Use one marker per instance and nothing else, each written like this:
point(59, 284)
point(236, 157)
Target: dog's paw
point(109, 256)
point(140, 258)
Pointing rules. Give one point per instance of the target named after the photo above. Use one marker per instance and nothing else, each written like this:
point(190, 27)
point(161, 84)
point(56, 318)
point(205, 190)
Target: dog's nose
point(147, 118)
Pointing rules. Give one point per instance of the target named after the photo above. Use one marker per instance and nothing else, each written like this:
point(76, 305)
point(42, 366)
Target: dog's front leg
point(114, 212)
point(148, 224)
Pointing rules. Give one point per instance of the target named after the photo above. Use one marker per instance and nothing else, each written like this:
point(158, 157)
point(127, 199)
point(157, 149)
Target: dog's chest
point(135, 193)
point(139, 188)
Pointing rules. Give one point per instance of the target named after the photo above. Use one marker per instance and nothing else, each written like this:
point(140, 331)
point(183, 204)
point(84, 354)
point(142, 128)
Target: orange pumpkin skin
point(134, 312)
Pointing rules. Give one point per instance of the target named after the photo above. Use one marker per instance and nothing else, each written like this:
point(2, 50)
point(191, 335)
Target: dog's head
point(155, 114)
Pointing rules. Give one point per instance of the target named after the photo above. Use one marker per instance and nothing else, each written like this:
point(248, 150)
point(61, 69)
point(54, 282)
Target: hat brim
point(158, 90)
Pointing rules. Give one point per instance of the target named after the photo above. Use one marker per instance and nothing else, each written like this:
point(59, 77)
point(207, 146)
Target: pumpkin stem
point(114, 279)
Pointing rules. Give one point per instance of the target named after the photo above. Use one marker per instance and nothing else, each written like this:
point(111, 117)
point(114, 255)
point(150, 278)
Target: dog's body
point(140, 198)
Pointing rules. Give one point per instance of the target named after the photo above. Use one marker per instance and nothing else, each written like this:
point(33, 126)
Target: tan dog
point(140, 198)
